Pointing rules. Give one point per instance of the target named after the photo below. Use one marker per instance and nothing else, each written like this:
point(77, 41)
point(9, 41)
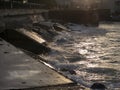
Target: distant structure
point(16, 4)
point(112, 5)
point(117, 7)
point(10, 4)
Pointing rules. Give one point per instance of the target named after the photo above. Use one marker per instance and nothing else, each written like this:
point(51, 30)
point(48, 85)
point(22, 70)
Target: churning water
point(88, 54)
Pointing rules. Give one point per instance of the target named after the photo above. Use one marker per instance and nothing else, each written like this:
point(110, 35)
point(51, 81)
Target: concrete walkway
point(18, 70)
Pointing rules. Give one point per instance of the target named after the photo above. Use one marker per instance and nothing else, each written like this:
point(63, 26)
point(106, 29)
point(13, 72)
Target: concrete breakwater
point(26, 40)
point(19, 71)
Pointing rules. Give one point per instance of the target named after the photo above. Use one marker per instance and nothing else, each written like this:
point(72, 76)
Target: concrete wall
point(107, 4)
point(113, 5)
point(75, 16)
point(117, 6)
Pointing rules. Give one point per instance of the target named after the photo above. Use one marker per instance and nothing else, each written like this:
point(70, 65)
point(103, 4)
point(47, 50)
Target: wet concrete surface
point(19, 71)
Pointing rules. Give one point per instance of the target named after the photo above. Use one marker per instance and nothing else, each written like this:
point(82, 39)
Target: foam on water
point(88, 54)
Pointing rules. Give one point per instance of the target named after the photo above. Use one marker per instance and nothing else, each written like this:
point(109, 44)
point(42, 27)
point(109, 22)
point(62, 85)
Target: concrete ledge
point(19, 71)
point(27, 40)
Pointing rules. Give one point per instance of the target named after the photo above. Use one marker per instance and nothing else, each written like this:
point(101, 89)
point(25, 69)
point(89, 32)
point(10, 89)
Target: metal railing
point(18, 5)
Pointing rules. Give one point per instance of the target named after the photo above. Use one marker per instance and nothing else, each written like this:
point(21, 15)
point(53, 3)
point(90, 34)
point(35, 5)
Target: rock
point(73, 72)
point(98, 86)
point(59, 27)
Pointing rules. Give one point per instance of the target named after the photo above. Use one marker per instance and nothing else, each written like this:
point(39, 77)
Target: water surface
point(88, 54)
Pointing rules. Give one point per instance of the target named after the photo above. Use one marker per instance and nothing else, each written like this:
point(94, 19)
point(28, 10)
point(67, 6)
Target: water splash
point(92, 53)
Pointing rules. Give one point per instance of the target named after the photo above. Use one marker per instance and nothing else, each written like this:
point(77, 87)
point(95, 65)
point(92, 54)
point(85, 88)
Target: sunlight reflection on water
point(92, 52)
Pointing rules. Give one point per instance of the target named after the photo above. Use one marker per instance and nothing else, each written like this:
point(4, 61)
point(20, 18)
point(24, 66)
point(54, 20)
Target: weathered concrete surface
point(17, 70)
point(33, 35)
point(26, 39)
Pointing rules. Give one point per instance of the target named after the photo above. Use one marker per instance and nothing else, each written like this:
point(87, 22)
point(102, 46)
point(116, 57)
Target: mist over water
point(88, 54)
